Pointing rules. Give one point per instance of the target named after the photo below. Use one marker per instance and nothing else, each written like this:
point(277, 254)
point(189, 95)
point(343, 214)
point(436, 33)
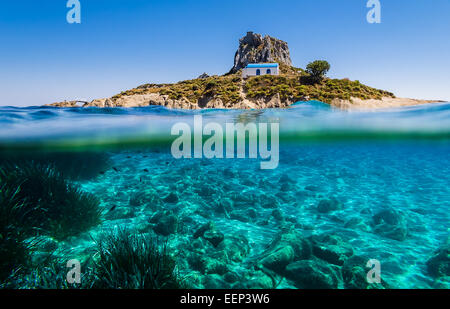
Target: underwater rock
point(207, 265)
point(208, 232)
point(356, 223)
point(149, 198)
point(231, 277)
point(257, 280)
point(331, 248)
point(205, 191)
point(390, 224)
point(269, 202)
point(277, 214)
point(172, 198)
point(156, 217)
point(354, 274)
point(314, 274)
point(202, 229)
point(234, 247)
point(287, 246)
point(224, 206)
point(120, 213)
point(285, 179)
point(167, 223)
point(214, 237)
point(286, 187)
point(329, 205)
point(229, 173)
point(215, 282)
point(279, 259)
point(252, 213)
point(439, 265)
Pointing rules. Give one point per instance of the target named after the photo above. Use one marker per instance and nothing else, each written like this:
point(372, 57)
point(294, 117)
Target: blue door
point(269, 71)
point(258, 72)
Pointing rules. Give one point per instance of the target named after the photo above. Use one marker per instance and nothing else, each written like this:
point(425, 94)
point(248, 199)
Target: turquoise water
point(339, 173)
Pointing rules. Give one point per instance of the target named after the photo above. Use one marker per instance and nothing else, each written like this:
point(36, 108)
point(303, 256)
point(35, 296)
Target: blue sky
point(121, 44)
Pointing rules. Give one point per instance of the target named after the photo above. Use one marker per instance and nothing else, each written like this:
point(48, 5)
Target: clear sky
point(121, 44)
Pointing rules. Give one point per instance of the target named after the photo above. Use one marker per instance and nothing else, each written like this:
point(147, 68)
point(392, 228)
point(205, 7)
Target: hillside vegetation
point(293, 85)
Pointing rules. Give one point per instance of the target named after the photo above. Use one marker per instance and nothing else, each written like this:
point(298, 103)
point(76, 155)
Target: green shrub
point(130, 261)
point(318, 70)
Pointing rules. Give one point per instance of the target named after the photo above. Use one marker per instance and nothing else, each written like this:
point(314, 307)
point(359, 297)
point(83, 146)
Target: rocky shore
point(245, 103)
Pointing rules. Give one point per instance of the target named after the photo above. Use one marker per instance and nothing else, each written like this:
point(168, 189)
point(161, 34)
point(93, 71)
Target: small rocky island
point(232, 91)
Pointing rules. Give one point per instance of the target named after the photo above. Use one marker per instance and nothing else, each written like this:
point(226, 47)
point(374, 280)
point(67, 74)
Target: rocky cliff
point(254, 48)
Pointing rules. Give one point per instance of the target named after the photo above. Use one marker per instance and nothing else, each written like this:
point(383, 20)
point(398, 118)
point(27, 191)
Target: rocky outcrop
point(254, 48)
point(140, 100)
point(203, 76)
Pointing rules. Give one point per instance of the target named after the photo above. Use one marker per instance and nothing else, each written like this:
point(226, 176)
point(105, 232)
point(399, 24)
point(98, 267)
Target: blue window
point(258, 72)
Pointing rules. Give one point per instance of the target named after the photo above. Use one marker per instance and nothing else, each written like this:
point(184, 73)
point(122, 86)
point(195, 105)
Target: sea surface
point(339, 172)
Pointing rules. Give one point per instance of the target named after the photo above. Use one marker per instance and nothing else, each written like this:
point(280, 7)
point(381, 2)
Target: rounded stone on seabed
point(329, 205)
point(279, 259)
point(214, 237)
point(314, 274)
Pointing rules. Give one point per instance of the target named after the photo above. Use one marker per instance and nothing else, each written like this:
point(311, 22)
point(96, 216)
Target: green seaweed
point(130, 261)
point(72, 165)
point(53, 206)
point(13, 249)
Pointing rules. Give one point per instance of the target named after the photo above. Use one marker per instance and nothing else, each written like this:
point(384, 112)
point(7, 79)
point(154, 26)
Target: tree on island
point(317, 70)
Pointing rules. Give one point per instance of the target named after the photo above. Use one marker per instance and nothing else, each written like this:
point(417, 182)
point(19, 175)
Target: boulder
point(354, 274)
point(214, 237)
point(287, 246)
point(314, 274)
point(328, 205)
point(203, 76)
point(171, 198)
point(166, 223)
point(439, 265)
point(391, 224)
point(207, 265)
point(331, 249)
point(203, 228)
point(279, 259)
point(208, 232)
point(234, 247)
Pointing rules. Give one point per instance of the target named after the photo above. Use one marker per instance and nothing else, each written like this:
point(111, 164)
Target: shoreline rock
point(156, 99)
